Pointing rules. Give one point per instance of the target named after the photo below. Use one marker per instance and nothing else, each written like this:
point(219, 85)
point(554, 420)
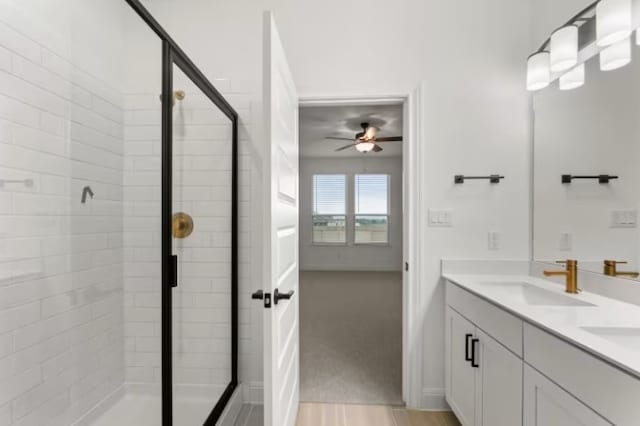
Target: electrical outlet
point(440, 218)
point(494, 241)
point(624, 219)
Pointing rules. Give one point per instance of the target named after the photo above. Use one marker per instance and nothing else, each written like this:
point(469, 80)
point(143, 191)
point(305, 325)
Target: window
point(371, 209)
point(329, 209)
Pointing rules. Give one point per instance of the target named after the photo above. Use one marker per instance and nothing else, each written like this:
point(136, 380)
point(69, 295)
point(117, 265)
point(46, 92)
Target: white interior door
point(281, 360)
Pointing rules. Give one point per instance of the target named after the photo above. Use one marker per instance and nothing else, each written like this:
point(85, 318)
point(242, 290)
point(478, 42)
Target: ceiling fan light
point(613, 21)
point(365, 146)
point(616, 56)
point(538, 73)
point(564, 48)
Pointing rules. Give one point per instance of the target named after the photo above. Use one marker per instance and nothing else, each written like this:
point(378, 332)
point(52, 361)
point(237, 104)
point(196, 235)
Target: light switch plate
point(624, 219)
point(440, 218)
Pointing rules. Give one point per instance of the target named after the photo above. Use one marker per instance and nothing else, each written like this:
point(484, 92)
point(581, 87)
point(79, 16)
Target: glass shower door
point(201, 230)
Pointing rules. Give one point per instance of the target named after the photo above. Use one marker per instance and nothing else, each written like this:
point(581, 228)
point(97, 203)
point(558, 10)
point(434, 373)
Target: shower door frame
point(173, 55)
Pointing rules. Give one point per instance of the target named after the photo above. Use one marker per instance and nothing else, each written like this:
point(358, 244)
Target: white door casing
point(281, 339)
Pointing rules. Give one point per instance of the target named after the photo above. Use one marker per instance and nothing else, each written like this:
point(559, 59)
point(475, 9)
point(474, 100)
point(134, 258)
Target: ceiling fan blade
point(345, 147)
point(390, 139)
point(339, 139)
point(377, 148)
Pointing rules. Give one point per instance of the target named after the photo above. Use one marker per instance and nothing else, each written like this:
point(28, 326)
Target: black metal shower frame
point(173, 55)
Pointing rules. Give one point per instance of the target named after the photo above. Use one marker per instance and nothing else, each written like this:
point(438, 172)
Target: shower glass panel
point(202, 230)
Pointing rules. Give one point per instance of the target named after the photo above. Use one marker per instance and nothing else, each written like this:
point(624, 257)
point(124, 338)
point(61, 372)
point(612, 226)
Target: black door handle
point(474, 363)
point(258, 295)
point(467, 357)
point(281, 296)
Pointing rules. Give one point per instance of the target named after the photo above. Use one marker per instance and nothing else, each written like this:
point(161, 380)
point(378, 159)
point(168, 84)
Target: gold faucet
point(571, 275)
point(610, 269)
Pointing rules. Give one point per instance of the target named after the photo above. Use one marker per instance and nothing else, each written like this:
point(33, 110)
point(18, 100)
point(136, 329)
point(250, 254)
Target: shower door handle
point(174, 270)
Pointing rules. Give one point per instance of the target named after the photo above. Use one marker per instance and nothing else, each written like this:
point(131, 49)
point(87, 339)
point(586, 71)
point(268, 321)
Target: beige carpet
point(351, 337)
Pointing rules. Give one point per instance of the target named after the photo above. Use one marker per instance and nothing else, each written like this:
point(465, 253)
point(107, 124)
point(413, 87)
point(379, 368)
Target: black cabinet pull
point(474, 363)
point(468, 336)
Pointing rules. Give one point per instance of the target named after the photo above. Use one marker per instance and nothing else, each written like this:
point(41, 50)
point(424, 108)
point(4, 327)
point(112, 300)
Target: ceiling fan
point(367, 140)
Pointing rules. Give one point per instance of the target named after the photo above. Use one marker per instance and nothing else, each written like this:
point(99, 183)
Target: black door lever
point(281, 296)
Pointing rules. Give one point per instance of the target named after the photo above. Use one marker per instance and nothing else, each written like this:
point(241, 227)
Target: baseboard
point(433, 399)
point(254, 393)
point(232, 410)
point(101, 407)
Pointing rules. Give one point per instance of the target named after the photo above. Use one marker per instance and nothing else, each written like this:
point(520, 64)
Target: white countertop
point(567, 322)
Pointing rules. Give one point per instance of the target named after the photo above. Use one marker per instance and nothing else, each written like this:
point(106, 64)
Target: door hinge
point(406, 266)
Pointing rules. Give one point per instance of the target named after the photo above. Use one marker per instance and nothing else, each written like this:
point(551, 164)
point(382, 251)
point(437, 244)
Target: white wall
point(472, 56)
point(350, 257)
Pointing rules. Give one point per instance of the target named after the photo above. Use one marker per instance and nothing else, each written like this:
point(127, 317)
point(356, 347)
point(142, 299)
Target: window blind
point(329, 194)
point(372, 194)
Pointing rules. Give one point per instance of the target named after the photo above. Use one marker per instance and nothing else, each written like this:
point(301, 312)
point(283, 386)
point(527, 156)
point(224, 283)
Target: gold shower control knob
point(182, 225)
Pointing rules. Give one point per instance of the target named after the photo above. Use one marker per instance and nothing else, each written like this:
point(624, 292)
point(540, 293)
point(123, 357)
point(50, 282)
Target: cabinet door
point(498, 384)
point(546, 404)
point(460, 376)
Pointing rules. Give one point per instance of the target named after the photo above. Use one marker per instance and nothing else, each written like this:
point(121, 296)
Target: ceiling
point(318, 122)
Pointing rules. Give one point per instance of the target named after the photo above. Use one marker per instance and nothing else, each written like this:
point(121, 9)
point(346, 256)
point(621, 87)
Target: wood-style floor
point(311, 414)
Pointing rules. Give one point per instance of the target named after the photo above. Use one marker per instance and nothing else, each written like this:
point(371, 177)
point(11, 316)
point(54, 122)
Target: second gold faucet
point(570, 273)
point(611, 269)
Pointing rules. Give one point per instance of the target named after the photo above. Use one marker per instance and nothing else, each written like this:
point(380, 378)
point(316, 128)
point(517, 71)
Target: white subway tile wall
point(80, 282)
point(61, 260)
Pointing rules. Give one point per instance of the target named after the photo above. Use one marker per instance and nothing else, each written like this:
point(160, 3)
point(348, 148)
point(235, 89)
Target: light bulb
point(613, 21)
point(616, 56)
point(573, 78)
point(538, 73)
point(564, 48)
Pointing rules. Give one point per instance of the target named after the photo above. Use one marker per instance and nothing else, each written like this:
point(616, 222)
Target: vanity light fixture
point(365, 146)
point(613, 21)
point(538, 71)
point(616, 56)
point(564, 48)
point(572, 79)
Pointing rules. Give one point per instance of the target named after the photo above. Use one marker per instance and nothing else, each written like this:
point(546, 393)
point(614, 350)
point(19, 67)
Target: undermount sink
point(535, 296)
point(628, 337)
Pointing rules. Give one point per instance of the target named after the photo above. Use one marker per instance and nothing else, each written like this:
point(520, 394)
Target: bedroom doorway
point(352, 252)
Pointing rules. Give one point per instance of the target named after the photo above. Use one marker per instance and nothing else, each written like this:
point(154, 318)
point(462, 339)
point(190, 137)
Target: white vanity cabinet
point(483, 378)
point(547, 404)
point(502, 370)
